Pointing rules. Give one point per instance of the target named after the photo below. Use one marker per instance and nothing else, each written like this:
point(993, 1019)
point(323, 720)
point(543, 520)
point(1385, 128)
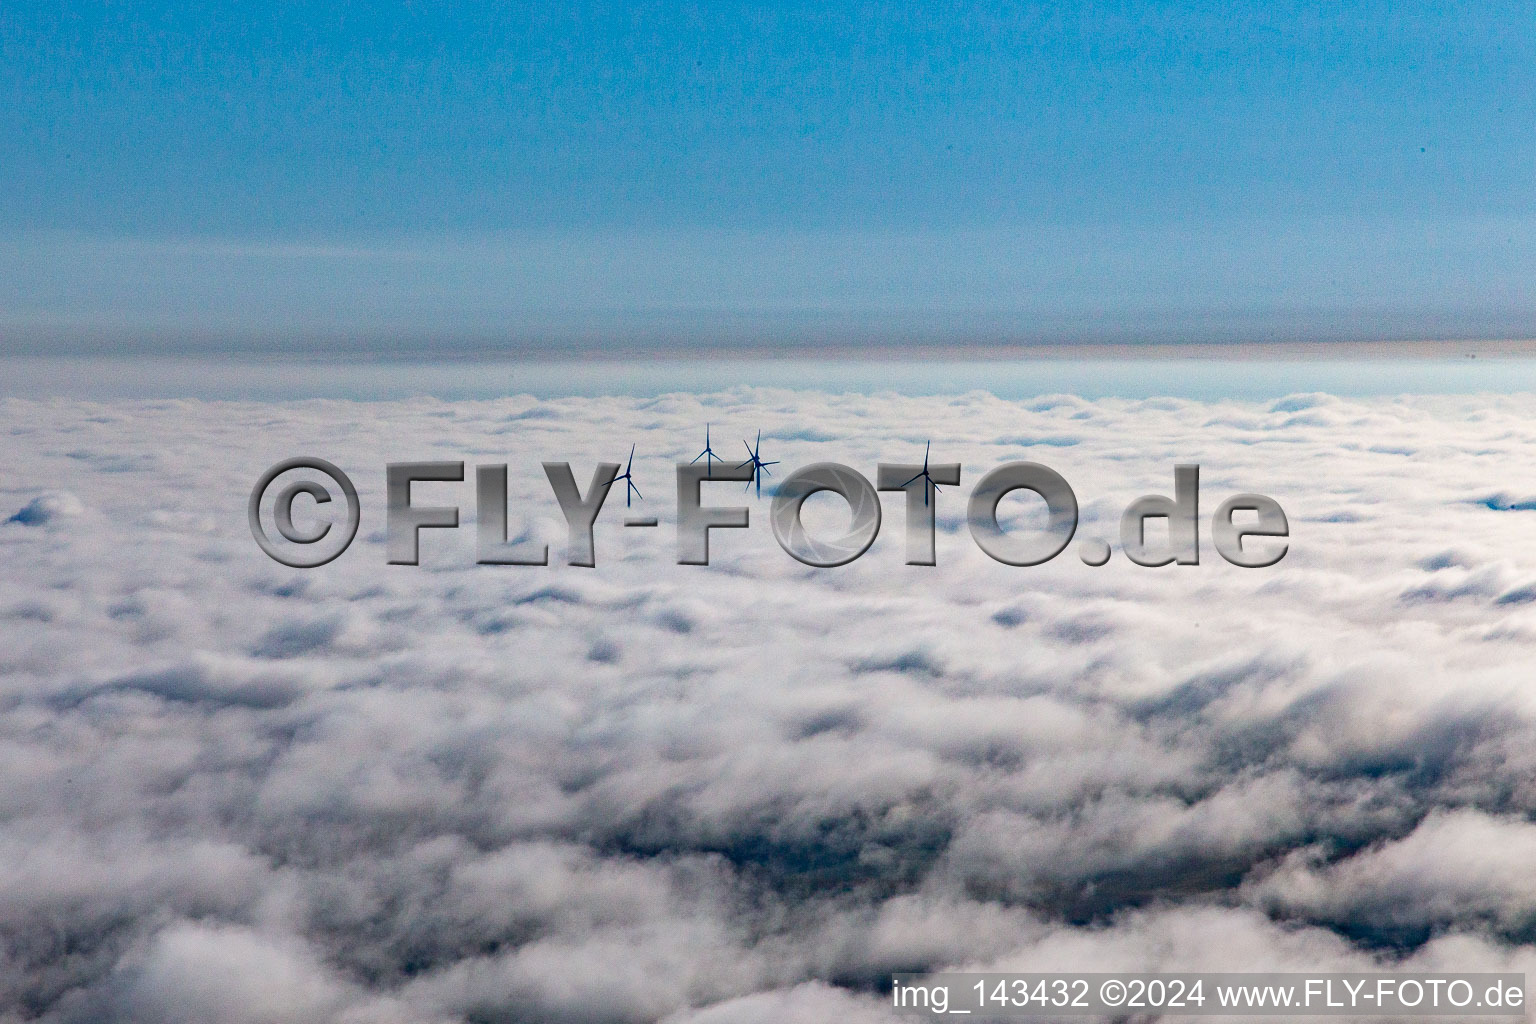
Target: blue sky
point(441, 175)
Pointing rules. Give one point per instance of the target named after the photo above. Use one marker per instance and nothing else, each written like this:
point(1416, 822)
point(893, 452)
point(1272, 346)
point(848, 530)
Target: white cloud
point(648, 792)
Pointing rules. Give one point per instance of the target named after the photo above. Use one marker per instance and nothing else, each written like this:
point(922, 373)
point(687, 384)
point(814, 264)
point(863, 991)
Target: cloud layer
point(750, 792)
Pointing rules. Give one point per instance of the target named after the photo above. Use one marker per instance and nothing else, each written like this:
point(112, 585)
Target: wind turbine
point(924, 474)
point(759, 467)
point(629, 483)
point(709, 463)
